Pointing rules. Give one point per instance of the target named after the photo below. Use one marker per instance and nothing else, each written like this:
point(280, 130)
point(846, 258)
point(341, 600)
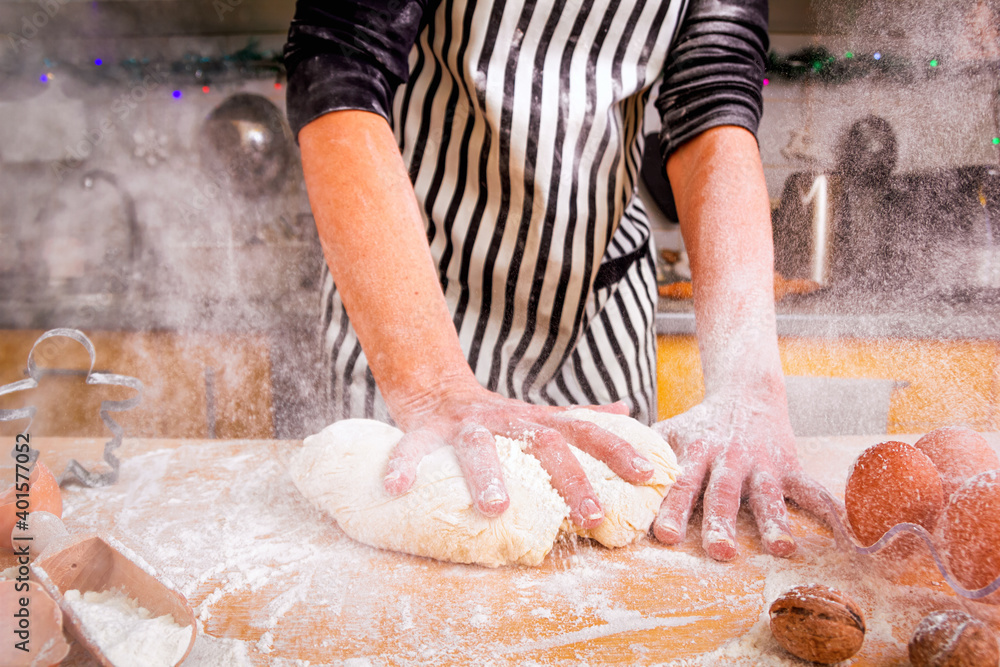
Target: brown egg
point(46, 644)
point(891, 483)
point(43, 495)
point(970, 528)
point(958, 453)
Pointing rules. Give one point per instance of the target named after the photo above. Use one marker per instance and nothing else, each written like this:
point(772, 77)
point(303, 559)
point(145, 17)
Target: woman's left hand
point(740, 441)
point(739, 438)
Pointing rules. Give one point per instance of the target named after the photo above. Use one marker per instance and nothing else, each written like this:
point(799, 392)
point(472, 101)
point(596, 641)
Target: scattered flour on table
point(209, 651)
point(126, 633)
point(236, 534)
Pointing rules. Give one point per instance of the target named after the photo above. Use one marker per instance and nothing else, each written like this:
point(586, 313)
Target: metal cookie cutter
point(75, 472)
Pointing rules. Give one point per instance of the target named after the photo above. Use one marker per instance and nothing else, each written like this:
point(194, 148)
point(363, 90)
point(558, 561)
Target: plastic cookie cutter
point(842, 532)
point(74, 470)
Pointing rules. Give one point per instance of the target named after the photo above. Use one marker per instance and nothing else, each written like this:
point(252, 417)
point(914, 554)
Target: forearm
point(375, 244)
point(722, 203)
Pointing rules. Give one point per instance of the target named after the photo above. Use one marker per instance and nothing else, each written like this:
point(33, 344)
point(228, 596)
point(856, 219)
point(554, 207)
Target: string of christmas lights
point(810, 64)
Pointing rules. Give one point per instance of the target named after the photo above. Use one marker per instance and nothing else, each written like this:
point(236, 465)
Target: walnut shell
point(952, 638)
point(818, 623)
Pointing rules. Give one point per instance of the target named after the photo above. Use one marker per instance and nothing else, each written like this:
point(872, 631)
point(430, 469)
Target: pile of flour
point(126, 633)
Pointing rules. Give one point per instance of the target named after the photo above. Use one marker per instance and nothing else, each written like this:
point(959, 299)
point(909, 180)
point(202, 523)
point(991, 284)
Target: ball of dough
point(629, 509)
point(892, 482)
point(341, 469)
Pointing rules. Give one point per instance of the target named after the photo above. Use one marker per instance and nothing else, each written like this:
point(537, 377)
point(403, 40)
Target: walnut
point(817, 623)
point(952, 638)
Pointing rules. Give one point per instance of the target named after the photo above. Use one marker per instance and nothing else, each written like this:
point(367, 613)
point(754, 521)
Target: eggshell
point(43, 495)
point(46, 643)
point(958, 453)
point(892, 482)
point(970, 528)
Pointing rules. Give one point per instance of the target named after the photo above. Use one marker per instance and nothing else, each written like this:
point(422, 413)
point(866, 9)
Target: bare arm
point(726, 223)
point(739, 436)
point(375, 245)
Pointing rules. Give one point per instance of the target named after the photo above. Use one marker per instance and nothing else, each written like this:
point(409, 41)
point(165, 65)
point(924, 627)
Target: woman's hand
point(739, 438)
point(468, 417)
point(735, 444)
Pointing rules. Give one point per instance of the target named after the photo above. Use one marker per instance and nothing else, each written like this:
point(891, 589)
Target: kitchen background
point(151, 195)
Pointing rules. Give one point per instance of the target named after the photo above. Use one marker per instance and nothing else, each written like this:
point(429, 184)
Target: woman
point(489, 262)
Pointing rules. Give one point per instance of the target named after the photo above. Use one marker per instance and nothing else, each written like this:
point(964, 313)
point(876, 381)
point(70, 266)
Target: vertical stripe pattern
point(521, 127)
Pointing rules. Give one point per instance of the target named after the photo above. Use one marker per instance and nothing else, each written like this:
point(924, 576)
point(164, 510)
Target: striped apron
point(521, 126)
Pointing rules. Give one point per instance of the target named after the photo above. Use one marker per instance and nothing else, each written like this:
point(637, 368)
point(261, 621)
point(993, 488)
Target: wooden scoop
point(93, 563)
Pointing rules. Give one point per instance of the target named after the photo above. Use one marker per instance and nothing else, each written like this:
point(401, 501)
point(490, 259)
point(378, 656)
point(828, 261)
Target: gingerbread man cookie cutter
point(75, 472)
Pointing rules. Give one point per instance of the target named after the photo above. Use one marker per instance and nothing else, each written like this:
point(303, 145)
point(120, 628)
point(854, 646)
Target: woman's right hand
point(468, 417)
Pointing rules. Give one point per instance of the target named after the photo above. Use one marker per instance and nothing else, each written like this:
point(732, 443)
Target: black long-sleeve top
point(354, 54)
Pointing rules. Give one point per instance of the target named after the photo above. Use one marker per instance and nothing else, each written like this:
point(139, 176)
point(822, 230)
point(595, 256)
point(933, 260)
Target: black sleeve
point(349, 54)
point(715, 71)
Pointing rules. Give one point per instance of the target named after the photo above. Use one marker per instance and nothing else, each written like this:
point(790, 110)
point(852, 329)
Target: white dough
point(341, 468)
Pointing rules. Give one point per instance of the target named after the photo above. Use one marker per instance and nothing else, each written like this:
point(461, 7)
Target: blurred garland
point(812, 63)
point(816, 63)
point(22, 75)
point(247, 63)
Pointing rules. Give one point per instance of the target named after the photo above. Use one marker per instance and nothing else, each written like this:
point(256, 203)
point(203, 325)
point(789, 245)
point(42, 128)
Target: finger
point(767, 502)
point(476, 450)
point(721, 504)
point(671, 522)
point(402, 467)
point(568, 478)
point(813, 497)
point(605, 446)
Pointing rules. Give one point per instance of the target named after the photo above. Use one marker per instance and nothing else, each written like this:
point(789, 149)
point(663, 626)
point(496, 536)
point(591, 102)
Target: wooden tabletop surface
point(275, 582)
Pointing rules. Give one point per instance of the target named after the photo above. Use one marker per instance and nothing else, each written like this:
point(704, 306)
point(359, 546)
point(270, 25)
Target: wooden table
point(275, 582)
